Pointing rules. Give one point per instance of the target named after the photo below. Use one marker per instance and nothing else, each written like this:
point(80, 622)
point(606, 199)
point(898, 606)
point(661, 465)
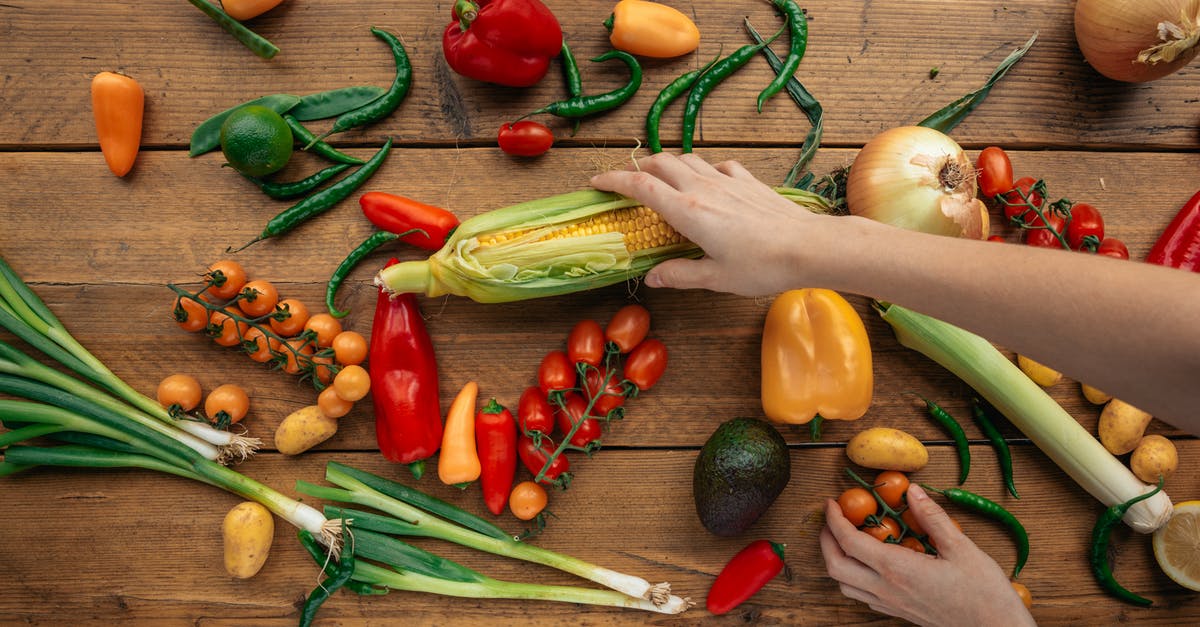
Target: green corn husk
point(523, 268)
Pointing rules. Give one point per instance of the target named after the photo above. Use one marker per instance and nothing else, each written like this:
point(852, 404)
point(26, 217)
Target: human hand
point(961, 585)
point(752, 237)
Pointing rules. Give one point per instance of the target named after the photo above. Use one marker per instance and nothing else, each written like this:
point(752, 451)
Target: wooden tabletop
point(101, 546)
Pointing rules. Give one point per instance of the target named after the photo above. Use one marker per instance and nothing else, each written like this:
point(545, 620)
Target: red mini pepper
point(397, 214)
point(745, 575)
point(1179, 244)
point(507, 42)
point(571, 410)
point(496, 442)
point(404, 382)
point(534, 457)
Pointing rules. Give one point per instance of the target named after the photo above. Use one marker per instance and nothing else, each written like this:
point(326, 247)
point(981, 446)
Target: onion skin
point(1113, 33)
point(919, 179)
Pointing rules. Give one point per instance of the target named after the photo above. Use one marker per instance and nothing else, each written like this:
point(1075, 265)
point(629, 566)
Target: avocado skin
point(741, 470)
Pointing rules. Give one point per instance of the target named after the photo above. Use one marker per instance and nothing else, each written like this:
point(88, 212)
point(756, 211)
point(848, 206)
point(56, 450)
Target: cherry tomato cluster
point(583, 387)
point(226, 404)
point(881, 510)
point(1060, 224)
point(249, 314)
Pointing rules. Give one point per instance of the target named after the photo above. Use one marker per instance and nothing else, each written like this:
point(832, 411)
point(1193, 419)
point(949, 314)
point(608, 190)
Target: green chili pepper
point(317, 552)
point(1098, 554)
point(334, 102)
point(582, 106)
point(572, 77)
point(257, 44)
point(669, 94)
point(709, 80)
point(798, 25)
point(956, 431)
point(207, 135)
point(318, 147)
point(295, 189)
point(807, 103)
point(384, 105)
point(321, 201)
point(337, 579)
point(998, 442)
point(374, 241)
point(996, 512)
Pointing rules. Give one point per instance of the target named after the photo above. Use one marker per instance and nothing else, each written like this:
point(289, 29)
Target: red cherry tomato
point(534, 412)
point(1016, 206)
point(995, 172)
point(556, 373)
point(628, 327)
point(570, 413)
point(1112, 247)
point(607, 399)
point(996, 238)
point(1086, 228)
point(646, 363)
point(1044, 237)
point(585, 343)
point(525, 138)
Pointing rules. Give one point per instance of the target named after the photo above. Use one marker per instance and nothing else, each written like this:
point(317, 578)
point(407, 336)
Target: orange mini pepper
point(651, 29)
point(242, 10)
point(117, 104)
point(458, 463)
point(816, 359)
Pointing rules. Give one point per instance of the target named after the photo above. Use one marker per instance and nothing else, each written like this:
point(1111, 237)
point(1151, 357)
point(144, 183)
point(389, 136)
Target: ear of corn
point(557, 245)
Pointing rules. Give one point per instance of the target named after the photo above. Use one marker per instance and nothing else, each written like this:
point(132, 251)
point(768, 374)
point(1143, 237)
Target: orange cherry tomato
point(910, 542)
point(891, 485)
point(323, 368)
point(910, 519)
point(230, 276)
point(225, 329)
point(259, 298)
point(259, 345)
point(325, 327)
point(289, 317)
point(332, 405)
point(230, 400)
point(352, 383)
point(527, 500)
point(190, 315)
point(1023, 592)
point(179, 389)
point(857, 504)
point(294, 364)
point(886, 528)
point(349, 348)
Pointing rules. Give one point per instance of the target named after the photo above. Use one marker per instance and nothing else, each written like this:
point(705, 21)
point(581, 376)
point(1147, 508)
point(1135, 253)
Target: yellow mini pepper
point(816, 359)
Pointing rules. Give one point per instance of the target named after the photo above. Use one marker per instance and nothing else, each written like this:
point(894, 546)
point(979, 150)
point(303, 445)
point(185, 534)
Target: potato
point(1094, 396)
point(1041, 375)
point(248, 529)
point(884, 448)
point(1121, 426)
point(304, 429)
point(1153, 457)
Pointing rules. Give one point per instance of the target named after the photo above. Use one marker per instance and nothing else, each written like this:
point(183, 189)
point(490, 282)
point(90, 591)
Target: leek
point(980, 365)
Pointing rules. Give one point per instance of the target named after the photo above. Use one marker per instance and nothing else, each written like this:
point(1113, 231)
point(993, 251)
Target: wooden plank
point(868, 62)
point(154, 546)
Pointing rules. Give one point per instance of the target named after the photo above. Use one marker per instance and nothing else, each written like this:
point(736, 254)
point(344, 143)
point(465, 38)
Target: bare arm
point(1126, 328)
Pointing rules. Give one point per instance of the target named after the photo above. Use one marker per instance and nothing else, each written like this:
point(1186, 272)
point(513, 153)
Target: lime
point(1177, 545)
point(256, 140)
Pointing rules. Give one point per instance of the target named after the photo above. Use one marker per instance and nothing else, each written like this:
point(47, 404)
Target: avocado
point(740, 471)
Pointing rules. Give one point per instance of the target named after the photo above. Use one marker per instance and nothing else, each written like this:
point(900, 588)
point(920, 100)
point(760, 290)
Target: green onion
point(980, 365)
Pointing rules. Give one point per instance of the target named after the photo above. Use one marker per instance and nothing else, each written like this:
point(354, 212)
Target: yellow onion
point(917, 178)
point(1137, 40)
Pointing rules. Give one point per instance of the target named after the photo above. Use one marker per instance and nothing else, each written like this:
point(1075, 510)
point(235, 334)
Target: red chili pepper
point(507, 42)
point(496, 441)
point(534, 412)
point(1179, 244)
point(572, 410)
point(534, 458)
point(745, 575)
point(399, 215)
point(404, 382)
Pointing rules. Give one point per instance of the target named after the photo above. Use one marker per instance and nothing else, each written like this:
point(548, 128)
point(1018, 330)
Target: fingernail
point(915, 493)
point(652, 280)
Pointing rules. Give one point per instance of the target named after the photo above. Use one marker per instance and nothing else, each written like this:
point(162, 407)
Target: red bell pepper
point(404, 382)
point(1179, 244)
point(534, 412)
point(745, 575)
point(496, 442)
point(571, 410)
point(397, 214)
point(507, 42)
point(534, 457)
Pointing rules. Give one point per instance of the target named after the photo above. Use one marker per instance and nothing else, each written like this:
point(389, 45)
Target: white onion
point(1136, 41)
point(917, 178)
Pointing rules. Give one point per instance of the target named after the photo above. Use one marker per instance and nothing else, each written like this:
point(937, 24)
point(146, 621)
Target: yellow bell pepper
point(816, 359)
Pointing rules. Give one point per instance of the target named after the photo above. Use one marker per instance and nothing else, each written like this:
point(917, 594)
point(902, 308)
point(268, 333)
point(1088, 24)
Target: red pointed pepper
point(404, 382)
point(507, 42)
point(496, 442)
point(397, 214)
point(1179, 244)
point(745, 575)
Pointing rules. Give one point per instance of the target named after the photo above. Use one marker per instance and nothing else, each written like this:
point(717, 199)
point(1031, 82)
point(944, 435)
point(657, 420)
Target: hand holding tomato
point(961, 586)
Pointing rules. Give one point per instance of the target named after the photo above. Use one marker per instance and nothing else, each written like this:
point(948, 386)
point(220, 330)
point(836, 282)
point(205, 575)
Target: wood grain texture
point(129, 547)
